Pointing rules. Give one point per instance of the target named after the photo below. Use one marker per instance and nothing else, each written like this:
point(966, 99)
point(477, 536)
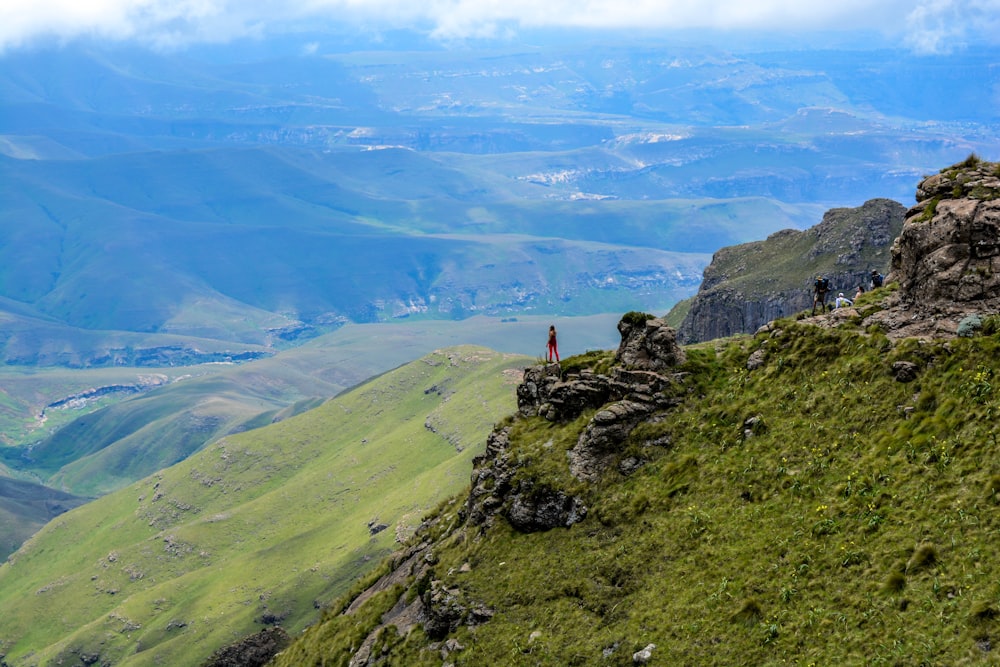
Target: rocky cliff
point(748, 285)
point(946, 260)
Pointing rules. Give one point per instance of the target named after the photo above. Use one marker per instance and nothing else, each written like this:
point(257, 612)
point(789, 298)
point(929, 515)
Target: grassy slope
point(25, 507)
point(848, 530)
point(267, 522)
point(103, 446)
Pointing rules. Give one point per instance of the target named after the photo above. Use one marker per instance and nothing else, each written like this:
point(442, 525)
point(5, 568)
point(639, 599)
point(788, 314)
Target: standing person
point(842, 301)
point(876, 279)
point(820, 289)
point(861, 290)
point(553, 345)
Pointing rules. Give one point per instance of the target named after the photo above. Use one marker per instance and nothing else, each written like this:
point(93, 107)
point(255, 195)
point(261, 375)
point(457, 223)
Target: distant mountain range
point(257, 202)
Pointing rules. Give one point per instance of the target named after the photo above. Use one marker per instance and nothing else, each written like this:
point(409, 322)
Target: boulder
point(946, 259)
point(648, 344)
point(599, 444)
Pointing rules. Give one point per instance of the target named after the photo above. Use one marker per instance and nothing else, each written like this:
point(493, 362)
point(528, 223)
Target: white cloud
point(940, 26)
point(928, 25)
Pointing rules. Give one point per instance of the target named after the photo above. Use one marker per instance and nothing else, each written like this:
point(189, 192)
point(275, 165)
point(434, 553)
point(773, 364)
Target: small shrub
point(969, 325)
point(991, 325)
point(924, 556)
point(635, 318)
point(983, 193)
point(970, 162)
point(749, 614)
point(929, 210)
point(895, 582)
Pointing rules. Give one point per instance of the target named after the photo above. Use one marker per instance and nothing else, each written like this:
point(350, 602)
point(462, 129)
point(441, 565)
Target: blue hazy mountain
point(248, 196)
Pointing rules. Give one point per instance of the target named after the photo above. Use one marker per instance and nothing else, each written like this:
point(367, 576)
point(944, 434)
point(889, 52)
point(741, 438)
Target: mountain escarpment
point(748, 285)
point(609, 396)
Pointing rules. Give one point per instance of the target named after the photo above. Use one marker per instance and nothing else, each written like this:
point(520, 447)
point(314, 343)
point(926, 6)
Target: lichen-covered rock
point(536, 510)
point(650, 345)
point(492, 473)
point(535, 387)
point(946, 259)
point(445, 609)
point(598, 445)
point(253, 651)
point(972, 179)
point(952, 256)
point(525, 506)
point(904, 371)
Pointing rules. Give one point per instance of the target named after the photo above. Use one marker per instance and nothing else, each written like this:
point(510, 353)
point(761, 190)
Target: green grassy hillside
point(90, 447)
point(235, 244)
point(256, 529)
point(26, 507)
point(814, 511)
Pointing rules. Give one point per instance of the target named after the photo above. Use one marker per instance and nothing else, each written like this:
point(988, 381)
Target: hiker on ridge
point(842, 301)
point(876, 279)
point(820, 289)
point(861, 290)
point(553, 345)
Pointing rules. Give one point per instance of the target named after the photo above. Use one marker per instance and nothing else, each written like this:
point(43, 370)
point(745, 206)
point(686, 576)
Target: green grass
point(855, 526)
point(104, 445)
point(258, 527)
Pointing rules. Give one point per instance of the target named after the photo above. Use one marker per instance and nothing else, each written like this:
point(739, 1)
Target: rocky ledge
point(946, 260)
point(635, 387)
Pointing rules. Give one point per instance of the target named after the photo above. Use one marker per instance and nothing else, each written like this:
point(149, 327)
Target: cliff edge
point(747, 285)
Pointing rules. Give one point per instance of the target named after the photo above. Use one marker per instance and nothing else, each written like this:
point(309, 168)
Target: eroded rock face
point(599, 443)
point(532, 512)
point(636, 387)
point(496, 492)
point(650, 345)
point(447, 608)
point(946, 260)
point(492, 474)
point(253, 651)
point(954, 256)
point(750, 284)
point(545, 393)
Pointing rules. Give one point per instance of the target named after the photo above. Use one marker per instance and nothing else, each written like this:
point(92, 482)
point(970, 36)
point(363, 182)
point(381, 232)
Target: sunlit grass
point(850, 523)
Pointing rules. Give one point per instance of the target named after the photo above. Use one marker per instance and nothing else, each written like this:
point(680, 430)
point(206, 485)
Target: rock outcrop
point(748, 285)
point(946, 259)
point(634, 388)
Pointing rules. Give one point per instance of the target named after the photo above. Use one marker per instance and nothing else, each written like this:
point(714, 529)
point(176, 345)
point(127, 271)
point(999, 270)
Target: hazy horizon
point(925, 27)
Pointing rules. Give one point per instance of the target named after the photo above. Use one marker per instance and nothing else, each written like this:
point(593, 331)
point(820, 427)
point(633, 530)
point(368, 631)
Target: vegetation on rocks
point(834, 505)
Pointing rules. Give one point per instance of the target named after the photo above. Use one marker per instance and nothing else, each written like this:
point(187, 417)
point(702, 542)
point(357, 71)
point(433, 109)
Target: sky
point(924, 26)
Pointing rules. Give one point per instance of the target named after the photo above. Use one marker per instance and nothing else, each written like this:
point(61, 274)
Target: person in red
point(553, 345)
